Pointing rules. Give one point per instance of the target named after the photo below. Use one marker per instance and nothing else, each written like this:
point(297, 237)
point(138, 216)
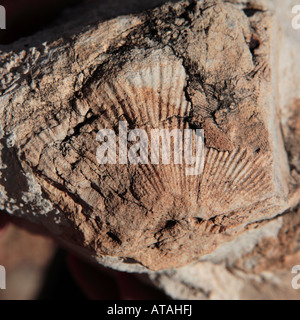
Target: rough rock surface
point(219, 66)
point(257, 264)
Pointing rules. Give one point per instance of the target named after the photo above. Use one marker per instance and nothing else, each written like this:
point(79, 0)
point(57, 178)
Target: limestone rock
point(210, 65)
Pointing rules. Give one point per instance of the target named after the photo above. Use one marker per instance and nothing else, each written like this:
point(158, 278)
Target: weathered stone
point(212, 65)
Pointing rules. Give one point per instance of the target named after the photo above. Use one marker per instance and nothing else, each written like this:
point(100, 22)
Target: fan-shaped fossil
point(152, 74)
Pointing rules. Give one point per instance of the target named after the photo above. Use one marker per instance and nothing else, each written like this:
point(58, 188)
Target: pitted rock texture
point(209, 65)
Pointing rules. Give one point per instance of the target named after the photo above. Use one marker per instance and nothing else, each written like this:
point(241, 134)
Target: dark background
point(25, 17)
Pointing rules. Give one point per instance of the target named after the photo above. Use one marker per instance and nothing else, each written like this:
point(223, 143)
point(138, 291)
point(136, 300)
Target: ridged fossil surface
point(206, 65)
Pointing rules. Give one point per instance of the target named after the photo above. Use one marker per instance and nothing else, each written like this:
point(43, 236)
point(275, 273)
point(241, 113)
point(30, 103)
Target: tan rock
point(209, 65)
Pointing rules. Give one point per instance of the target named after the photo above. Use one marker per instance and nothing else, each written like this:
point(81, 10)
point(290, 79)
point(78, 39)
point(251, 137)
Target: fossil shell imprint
point(147, 93)
point(150, 94)
point(151, 213)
